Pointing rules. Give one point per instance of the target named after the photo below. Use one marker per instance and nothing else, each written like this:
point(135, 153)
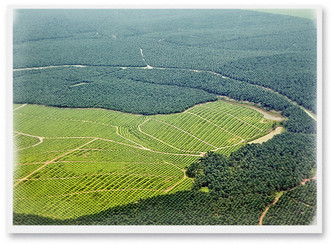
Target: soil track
point(279, 195)
point(41, 139)
point(180, 181)
point(267, 137)
point(310, 113)
point(215, 125)
point(268, 207)
point(140, 130)
point(48, 162)
point(185, 132)
point(20, 107)
point(139, 146)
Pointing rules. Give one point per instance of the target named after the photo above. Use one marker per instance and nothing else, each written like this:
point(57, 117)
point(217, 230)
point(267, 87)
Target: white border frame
point(310, 229)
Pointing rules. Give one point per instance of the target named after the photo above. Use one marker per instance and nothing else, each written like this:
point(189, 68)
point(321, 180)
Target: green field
point(73, 162)
point(147, 116)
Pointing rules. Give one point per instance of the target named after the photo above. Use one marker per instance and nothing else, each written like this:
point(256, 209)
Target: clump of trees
point(278, 164)
point(240, 188)
point(250, 48)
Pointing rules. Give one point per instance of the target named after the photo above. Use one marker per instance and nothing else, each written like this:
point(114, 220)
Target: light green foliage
point(204, 189)
point(22, 142)
point(22, 170)
point(75, 162)
point(15, 106)
point(48, 150)
point(83, 161)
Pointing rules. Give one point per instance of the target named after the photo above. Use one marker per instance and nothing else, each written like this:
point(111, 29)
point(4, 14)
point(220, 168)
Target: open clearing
point(267, 137)
point(73, 162)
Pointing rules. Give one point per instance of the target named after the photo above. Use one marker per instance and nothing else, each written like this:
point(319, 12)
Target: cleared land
point(267, 137)
point(73, 162)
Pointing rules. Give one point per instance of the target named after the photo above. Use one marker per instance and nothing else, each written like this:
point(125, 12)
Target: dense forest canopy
point(166, 61)
point(273, 51)
point(241, 187)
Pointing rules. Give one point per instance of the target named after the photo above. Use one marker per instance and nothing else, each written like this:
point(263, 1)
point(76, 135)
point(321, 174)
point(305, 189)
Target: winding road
point(279, 195)
point(310, 113)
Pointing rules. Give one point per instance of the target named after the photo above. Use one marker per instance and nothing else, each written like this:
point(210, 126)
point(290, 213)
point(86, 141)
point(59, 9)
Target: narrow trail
point(26, 134)
point(215, 125)
point(140, 130)
point(79, 84)
point(48, 162)
point(279, 195)
point(305, 204)
point(53, 66)
point(185, 132)
point(100, 162)
point(41, 139)
point(21, 149)
point(306, 180)
point(227, 146)
point(99, 27)
point(19, 107)
point(103, 190)
point(311, 114)
point(30, 163)
point(139, 146)
point(180, 181)
point(104, 139)
point(117, 132)
point(176, 184)
point(241, 120)
point(147, 65)
point(89, 121)
point(100, 174)
point(88, 192)
point(268, 207)
point(174, 165)
point(96, 138)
